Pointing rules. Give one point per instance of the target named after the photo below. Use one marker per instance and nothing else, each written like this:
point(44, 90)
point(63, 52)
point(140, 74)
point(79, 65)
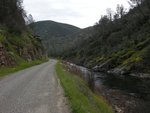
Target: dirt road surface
point(33, 90)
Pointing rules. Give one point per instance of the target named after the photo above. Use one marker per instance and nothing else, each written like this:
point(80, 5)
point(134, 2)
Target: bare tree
point(121, 11)
point(110, 13)
point(29, 19)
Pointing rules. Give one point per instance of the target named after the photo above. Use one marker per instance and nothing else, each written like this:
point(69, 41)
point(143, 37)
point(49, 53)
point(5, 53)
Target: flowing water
point(126, 94)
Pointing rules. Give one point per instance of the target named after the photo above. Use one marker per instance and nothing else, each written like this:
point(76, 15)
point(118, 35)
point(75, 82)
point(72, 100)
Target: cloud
point(81, 13)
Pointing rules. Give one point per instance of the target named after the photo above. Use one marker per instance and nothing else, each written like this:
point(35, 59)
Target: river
point(126, 94)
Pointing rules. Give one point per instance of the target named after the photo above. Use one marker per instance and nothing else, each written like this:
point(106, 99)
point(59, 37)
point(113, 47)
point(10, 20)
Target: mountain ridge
point(55, 36)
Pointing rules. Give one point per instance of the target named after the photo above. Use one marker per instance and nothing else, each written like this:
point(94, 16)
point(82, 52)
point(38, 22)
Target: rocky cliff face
point(32, 52)
point(14, 50)
point(5, 58)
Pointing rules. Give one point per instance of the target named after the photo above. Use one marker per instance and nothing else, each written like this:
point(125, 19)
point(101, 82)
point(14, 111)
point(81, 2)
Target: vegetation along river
point(126, 94)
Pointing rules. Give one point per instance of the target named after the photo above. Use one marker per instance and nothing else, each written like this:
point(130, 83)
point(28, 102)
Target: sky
point(80, 13)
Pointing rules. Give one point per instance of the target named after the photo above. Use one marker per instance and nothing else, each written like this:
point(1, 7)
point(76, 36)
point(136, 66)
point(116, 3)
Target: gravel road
point(33, 90)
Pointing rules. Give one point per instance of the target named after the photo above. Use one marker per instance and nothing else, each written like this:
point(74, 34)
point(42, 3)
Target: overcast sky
point(81, 13)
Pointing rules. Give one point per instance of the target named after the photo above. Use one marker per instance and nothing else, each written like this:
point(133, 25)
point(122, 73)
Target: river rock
point(141, 75)
point(118, 71)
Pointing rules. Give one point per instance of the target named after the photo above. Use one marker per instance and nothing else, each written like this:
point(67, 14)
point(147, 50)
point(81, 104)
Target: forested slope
point(17, 43)
point(120, 44)
point(55, 36)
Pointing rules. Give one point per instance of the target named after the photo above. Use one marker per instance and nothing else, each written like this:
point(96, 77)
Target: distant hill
point(55, 36)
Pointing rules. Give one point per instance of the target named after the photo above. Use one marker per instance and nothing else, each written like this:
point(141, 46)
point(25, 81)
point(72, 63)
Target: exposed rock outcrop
point(5, 58)
point(12, 52)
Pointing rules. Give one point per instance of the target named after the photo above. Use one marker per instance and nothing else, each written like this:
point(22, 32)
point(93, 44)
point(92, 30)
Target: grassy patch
point(24, 64)
point(1, 38)
point(81, 98)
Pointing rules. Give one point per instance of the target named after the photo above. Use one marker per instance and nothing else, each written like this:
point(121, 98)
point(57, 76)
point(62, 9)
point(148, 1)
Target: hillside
point(55, 36)
point(119, 46)
point(17, 42)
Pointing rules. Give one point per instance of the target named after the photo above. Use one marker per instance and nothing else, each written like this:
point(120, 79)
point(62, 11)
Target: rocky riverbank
point(120, 71)
point(126, 94)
